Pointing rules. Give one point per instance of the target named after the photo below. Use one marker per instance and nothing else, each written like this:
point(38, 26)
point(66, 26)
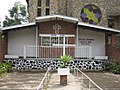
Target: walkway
point(73, 83)
point(21, 81)
point(107, 81)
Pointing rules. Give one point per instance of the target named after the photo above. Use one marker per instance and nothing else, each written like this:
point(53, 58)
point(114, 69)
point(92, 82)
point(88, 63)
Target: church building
point(86, 30)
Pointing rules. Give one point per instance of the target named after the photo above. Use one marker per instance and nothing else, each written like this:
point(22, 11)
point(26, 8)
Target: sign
point(85, 41)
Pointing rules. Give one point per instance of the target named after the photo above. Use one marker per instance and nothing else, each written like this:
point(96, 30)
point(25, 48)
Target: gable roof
point(64, 18)
point(98, 27)
point(18, 26)
point(56, 17)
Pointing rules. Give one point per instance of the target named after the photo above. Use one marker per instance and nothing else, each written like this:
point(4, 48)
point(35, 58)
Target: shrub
point(5, 67)
point(65, 59)
point(115, 68)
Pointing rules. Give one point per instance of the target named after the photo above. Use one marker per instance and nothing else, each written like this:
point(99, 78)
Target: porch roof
point(56, 17)
point(18, 26)
point(98, 27)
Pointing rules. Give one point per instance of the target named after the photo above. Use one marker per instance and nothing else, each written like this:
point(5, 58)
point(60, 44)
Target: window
point(52, 41)
point(91, 14)
point(46, 41)
point(39, 12)
point(47, 11)
point(111, 23)
point(39, 3)
point(47, 3)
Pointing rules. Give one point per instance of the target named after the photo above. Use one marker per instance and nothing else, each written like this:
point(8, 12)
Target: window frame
point(39, 3)
point(51, 43)
point(47, 3)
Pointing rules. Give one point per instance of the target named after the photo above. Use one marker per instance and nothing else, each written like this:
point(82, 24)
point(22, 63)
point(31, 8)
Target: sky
point(7, 4)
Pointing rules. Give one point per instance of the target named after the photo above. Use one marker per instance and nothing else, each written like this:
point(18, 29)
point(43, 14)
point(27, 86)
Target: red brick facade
point(3, 46)
point(112, 50)
point(66, 28)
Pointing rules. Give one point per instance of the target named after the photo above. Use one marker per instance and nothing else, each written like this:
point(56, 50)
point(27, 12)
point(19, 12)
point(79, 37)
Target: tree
point(17, 15)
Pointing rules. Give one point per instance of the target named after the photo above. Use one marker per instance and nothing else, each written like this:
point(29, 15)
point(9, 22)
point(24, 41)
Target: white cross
point(56, 27)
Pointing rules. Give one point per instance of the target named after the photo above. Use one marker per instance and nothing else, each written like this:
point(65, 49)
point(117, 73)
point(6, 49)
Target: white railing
point(43, 84)
point(89, 83)
point(83, 52)
point(50, 52)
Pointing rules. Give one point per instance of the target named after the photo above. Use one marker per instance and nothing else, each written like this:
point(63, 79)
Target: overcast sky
point(7, 4)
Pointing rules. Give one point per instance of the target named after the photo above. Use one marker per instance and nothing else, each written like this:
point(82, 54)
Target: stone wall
point(73, 8)
point(28, 64)
point(113, 7)
point(32, 10)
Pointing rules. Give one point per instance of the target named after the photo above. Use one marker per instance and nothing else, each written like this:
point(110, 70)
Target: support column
point(37, 48)
point(64, 45)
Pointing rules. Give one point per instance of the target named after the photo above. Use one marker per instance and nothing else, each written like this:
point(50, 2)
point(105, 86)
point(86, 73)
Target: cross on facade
point(56, 27)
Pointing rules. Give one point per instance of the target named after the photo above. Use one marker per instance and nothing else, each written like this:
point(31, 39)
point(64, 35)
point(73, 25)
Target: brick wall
point(114, 53)
point(47, 27)
point(3, 46)
point(113, 50)
point(66, 28)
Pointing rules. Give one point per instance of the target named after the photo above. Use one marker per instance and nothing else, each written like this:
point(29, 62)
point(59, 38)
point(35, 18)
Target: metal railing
point(50, 52)
point(86, 81)
point(43, 84)
point(47, 52)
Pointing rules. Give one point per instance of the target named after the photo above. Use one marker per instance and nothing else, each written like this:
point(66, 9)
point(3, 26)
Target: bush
point(115, 68)
point(5, 67)
point(65, 59)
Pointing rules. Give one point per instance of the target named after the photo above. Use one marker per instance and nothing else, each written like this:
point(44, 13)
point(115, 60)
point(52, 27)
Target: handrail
point(88, 78)
point(41, 85)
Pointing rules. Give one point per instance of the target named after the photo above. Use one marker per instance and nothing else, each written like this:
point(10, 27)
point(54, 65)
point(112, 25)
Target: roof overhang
point(56, 17)
point(63, 18)
point(104, 29)
point(18, 26)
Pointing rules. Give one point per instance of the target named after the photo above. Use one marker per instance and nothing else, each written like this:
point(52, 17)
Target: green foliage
point(115, 68)
point(65, 59)
point(17, 15)
point(5, 67)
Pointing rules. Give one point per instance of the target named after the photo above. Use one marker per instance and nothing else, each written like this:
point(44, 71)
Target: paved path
point(21, 81)
point(107, 81)
point(73, 83)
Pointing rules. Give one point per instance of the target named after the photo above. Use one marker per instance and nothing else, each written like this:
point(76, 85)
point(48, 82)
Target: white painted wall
point(17, 39)
point(97, 44)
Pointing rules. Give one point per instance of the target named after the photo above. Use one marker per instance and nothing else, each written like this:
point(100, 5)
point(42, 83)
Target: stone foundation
point(28, 64)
